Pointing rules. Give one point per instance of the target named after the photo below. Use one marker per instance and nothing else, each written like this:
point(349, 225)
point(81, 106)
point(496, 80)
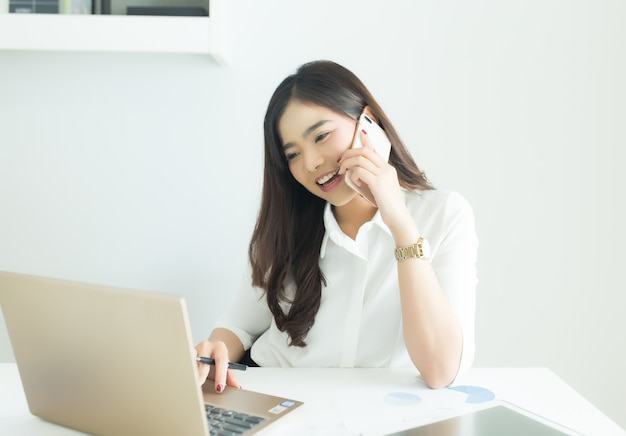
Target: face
point(314, 138)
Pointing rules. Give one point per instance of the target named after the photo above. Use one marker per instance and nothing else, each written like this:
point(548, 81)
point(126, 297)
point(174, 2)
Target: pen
point(231, 365)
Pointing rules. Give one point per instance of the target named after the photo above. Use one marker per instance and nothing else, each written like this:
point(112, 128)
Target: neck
point(352, 215)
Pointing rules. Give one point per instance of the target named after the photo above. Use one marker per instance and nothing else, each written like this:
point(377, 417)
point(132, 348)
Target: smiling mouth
point(328, 178)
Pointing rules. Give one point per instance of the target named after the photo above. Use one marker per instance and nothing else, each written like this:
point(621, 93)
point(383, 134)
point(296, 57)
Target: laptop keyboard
point(223, 422)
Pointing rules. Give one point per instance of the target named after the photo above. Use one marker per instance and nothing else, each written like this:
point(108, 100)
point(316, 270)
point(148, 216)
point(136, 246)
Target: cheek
point(340, 145)
point(295, 172)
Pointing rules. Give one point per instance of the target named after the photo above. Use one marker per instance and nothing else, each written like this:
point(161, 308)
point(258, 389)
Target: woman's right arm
point(223, 346)
point(247, 317)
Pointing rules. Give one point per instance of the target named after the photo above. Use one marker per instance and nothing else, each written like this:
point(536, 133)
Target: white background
point(144, 171)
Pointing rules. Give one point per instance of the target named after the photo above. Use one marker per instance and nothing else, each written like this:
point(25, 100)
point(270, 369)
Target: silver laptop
point(112, 361)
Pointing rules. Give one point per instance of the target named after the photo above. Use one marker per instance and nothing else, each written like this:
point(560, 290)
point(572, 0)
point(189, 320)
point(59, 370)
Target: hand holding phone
point(381, 144)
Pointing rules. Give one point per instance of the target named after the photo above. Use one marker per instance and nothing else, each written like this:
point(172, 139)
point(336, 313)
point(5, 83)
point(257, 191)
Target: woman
point(335, 280)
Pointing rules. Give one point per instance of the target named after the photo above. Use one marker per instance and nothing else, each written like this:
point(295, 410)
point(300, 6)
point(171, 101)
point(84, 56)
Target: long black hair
point(286, 241)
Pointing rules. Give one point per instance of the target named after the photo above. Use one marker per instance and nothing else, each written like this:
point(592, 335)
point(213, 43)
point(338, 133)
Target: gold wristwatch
point(419, 250)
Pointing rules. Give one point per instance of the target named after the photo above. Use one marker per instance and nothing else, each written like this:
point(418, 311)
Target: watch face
point(426, 248)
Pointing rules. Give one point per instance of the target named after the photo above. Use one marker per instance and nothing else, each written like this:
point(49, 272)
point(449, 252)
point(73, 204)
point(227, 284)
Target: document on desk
point(381, 409)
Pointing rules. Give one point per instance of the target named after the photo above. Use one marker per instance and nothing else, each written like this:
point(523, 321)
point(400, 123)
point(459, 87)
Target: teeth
point(326, 178)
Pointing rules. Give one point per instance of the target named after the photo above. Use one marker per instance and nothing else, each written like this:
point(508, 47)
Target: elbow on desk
point(440, 372)
point(438, 381)
point(439, 376)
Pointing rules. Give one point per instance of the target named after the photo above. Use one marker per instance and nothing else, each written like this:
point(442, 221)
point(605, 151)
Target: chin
point(342, 200)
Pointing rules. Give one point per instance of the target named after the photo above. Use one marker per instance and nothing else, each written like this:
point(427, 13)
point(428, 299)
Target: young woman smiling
point(334, 280)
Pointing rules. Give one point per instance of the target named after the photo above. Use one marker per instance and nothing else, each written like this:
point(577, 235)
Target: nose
point(312, 159)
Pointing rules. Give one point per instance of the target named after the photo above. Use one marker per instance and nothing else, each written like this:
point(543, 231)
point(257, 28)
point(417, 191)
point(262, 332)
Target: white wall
point(144, 171)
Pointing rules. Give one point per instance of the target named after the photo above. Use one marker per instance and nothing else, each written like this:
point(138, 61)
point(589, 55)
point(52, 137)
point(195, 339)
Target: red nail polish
point(364, 132)
point(219, 388)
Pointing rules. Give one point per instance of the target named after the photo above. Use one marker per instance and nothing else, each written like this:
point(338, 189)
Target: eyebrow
point(307, 132)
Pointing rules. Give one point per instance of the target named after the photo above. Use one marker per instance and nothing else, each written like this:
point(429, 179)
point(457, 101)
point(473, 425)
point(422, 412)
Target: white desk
point(338, 401)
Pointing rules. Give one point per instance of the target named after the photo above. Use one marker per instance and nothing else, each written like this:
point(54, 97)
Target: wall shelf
point(116, 33)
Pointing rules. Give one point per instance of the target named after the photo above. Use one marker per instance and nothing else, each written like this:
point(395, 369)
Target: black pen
point(231, 365)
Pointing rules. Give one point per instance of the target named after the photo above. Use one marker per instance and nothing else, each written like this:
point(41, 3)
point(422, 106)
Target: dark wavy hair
point(287, 237)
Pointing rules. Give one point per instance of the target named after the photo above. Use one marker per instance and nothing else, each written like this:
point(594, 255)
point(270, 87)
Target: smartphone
point(379, 140)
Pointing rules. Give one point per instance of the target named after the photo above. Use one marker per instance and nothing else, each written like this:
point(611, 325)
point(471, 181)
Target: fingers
point(359, 164)
point(203, 370)
point(218, 372)
point(366, 141)
point(231, 379)
point(362, 167)
point(368, 145)
point(220, 369)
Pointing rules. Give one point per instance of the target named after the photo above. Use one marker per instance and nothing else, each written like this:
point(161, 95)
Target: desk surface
point(372, 401)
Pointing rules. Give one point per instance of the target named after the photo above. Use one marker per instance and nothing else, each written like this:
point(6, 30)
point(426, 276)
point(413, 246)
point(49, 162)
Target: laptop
point(113, 361)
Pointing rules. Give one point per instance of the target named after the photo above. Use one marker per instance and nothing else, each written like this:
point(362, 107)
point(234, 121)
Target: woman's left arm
point(435, 324)
point(432, 331)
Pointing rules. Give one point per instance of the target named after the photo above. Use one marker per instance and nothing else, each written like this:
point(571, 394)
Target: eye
point(291, 156)
point(321, 137)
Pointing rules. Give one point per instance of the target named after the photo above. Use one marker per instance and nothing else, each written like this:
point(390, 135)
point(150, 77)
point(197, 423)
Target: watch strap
point(416, 250)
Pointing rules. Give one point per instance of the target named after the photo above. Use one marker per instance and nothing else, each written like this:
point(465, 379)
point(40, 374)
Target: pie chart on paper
point(475, 394)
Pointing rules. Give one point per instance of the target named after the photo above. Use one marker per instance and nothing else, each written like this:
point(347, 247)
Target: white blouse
point(359, 320)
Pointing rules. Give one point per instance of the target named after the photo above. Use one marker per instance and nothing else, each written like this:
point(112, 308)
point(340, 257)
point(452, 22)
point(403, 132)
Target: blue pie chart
point(475, 394)
point(402, 399)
